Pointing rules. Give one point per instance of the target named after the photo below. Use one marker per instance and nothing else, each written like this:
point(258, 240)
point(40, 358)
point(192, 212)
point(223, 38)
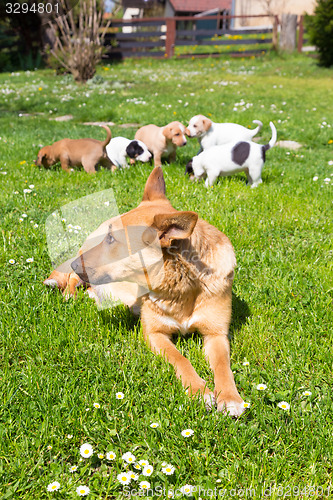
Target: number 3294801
point(24, 8)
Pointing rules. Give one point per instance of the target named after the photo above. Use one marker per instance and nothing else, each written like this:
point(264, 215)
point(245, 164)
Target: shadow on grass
point(240, 313)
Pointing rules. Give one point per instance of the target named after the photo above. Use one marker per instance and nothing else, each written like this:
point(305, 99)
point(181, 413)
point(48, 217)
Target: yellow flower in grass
point(330, 141)
point(53, 486)
point(73, 468)
point(246, 405)
point(100, 455)
point(120, 395)
point(154, 425)
point(96, 405)
point(11, 261)
point(22, 162)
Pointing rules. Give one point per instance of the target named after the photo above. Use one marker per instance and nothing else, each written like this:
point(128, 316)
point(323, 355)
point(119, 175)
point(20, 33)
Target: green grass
point(59, 357)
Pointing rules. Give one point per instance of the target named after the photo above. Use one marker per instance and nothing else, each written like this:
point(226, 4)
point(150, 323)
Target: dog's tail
point(256, 130)
point(108, 136)
point(273, 139)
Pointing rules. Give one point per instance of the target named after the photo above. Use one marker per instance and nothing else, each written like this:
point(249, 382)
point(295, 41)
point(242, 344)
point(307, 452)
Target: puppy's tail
point(273, 139)
point(256, 130)
point(108, 136)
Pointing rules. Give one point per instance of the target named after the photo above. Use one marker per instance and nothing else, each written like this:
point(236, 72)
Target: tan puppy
point(187, 289)
point(71, 152)
point(162, 141)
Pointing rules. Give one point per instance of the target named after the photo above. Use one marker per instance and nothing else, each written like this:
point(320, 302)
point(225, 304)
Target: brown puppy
point(187, 289)
point(72, 152)
point(162, 141)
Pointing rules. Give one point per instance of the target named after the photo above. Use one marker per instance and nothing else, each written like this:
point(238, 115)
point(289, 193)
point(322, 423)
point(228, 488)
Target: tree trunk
point(288, 32)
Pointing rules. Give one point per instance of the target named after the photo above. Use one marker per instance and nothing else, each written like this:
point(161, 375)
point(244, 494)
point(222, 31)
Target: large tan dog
point(72, 152)
point(187, 289)
point(162, 141)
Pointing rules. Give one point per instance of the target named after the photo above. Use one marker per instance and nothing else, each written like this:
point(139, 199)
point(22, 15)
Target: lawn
point(64, 362)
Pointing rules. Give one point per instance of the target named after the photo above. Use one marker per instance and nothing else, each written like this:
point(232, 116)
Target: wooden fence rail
point(187, 37)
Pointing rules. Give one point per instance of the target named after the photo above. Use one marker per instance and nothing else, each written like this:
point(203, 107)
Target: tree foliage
point(320, 28)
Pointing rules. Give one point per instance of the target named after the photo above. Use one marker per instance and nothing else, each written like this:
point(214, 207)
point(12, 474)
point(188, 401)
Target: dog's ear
point(155, 186)
point(187, 132)
point(207, 123)
point(167, 132)
point(176, 226)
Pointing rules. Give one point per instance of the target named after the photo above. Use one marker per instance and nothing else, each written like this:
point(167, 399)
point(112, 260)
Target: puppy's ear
point(187, 132)
point(155, 186)
point(167, 132)
point(207, 123)
point(177, 226)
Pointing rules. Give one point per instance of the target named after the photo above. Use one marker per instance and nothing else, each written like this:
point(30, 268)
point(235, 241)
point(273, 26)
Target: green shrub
point(320, 27)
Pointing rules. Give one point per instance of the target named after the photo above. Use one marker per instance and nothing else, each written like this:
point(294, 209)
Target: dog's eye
point(177, 133)
point(195, 126)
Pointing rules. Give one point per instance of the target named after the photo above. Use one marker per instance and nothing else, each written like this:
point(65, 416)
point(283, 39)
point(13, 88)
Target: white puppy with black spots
point(211, 134)
point(119, 148)
point(228, 159)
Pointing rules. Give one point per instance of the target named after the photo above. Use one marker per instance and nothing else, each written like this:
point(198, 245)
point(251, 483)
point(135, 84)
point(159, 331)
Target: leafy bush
point(320, 27)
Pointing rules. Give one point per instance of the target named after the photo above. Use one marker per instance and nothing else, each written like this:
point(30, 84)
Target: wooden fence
point(187, 37)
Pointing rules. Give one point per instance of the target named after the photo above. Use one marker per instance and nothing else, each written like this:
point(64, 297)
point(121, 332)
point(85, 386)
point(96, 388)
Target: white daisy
point(143, 463)
point(124, 478)
point(49, 447)
point(110, 455)
point(120, 395)
point(307, 393)
point(168, 470)
point(128, 457)
point(330, 162)
point(246, 363)
point(73, 468)
point(82, 491)
point(315, 178)
point(24, 216)
point(86, 450)
point(21, 220)
point(53, 486)
point(96, 405)
point(11, 261)
point(170, 494)
point(261, 387)
point(26, 191)
point(35, 225)
point(187, 489)
point(69, 436)
point(100, 455)
point(148, 470)
point(144, 485)
point(187, 433)
point(31, 186)
point(154, 425)
point(246, 405)
point(134, 476)
point(284, 405)
point(137, 466)
point(30, 259)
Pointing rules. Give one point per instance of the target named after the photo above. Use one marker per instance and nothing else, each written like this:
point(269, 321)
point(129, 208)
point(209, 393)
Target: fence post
point(275, 32)
point(300, 34)
point(170, 37)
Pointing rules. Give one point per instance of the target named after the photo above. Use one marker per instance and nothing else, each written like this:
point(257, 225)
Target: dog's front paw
point(232, 408)
point(209, 401)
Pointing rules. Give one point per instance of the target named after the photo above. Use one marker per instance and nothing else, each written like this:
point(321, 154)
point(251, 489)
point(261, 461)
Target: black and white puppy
point(228, 159)
point(119, 148)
